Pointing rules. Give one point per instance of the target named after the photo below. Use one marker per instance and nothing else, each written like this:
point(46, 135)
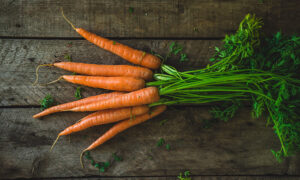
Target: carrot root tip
point(81, 155)
point(60, 78)
point(54, 143)
point(37, 72)
point(62, 12)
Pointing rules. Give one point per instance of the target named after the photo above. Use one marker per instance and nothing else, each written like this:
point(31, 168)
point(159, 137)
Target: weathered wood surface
point(239, 147)
point(19, 58)
point(151, 18)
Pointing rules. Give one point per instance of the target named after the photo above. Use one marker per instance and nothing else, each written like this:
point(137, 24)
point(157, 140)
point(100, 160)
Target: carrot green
point(247, 68)
point(78, 93)
point(46, 102)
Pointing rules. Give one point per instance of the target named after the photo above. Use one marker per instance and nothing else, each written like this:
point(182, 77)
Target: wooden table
point(34, 32)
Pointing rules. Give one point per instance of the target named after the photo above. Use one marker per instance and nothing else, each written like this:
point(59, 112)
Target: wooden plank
point(150, 18)
point(193, 178)
point(19, 59)
point(239, 147)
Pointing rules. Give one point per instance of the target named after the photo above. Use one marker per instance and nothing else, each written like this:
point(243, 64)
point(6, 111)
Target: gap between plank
point(20, 106)
point(115, 38)
point(172, 176)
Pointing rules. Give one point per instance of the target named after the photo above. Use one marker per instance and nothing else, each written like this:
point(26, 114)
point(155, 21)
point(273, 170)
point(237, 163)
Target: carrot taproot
point(123, 125)
point(106, 70)
point(70, 105)
point(104, 117)
point(140, 97)
point(132, 55)
point(110, 83)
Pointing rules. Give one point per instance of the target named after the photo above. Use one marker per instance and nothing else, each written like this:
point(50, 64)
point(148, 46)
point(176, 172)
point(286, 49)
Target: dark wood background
point(34, 32)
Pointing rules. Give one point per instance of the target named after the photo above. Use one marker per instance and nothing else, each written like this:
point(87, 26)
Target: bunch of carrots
point(242, 73)
point(127, 105)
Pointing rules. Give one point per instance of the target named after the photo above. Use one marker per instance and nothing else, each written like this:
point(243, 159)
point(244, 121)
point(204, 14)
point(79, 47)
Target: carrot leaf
point(46, 102)
point(106, 164)
point(176, 49)
point(160, 142)
point(102, 169)
point(68, 57)
point(78, 93)
point(185, 176)
point(183, 57)
point(131, 9)
point(161, 123)
point(97, 165)
point(168, 147)
point(116, 157)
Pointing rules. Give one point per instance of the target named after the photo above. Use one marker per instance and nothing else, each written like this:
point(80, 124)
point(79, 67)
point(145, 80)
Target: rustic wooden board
point(150, 18)
point(239, 147)
point(19, 58)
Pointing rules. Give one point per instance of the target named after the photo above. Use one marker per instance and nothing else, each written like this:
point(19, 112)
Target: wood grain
point(19, 58)
point(150, 18)
point(239, 147)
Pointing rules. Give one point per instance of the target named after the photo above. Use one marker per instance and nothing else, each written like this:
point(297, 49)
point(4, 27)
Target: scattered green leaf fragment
point(106, 164)
point(87, 155)
point(92, 162)
point(161, 123)
point(185, 176)
point(97, 165)
point(46, 102)
point(175, 48)
point(183, 57)
point(74, 73)
point(131, 9)
point(68, 57)
point(78, 93)
point(102, 169)
point(168, 147)
point(160, 142)
point(114, 42)
point(187, 173)
point(116, 157)
point(101, 166)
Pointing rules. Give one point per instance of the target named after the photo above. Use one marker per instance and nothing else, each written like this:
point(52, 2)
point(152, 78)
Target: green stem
point(278, 132)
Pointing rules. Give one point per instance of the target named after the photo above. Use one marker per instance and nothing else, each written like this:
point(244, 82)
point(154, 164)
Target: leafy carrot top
point(46, 102)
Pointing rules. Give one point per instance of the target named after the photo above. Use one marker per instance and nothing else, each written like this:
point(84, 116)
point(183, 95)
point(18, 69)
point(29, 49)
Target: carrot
point(106, 70)
point(105, 117)
point(70, 105)
point(110, 83)
point(132, 55)
point(140, 97)
point(123, 125)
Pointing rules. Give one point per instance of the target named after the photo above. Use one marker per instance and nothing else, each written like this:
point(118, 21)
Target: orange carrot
point(105, 117)
point(132, 55)
point(70, 105)
point(140, 97)
point(123, 125)
point(110, 83)
point(106, 70)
